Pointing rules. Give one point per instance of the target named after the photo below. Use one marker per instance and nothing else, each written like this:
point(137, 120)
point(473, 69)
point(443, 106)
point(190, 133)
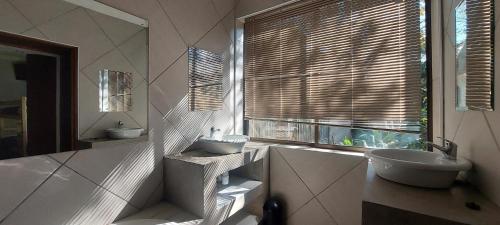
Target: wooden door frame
point(68, 68)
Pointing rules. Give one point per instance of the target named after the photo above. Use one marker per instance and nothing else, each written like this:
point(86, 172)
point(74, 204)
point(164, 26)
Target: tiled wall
point(97, 186)
point(476, 133)
point(318, 187)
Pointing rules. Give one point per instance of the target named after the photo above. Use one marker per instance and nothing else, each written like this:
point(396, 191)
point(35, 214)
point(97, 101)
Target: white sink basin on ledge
point(124, 133)
point(417, 168)
point(227, 144)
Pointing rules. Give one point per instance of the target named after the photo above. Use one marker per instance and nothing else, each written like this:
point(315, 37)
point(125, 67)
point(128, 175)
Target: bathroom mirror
point(71, 71)
point(474, 38)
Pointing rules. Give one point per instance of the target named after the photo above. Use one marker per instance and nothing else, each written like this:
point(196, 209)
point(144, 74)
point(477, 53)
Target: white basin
point(228, 144)
point(142, 222)
point(417, 168)
point(124, 133)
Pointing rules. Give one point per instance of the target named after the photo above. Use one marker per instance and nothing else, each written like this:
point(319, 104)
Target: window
point(342, 72)
point(205, 80)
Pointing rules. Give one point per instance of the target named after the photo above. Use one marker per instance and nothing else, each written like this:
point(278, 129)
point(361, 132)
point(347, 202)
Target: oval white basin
point(417, 168)
point(124, 133)
point(142, 222)
point(228, 144)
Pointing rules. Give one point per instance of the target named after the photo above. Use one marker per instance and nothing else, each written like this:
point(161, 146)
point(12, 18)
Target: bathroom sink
point(417, 168)
point(227, 144)
point(142, 222)
point(124, 133)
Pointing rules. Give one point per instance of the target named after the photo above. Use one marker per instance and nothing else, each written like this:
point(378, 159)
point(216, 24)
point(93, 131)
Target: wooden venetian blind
point(479, 54)
point(347, 60)
point(205, 80)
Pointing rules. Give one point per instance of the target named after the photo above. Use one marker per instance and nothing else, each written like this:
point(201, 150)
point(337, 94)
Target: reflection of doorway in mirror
point(29, 106)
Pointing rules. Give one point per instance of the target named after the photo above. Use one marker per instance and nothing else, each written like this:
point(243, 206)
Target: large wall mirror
point(72, 73)
point(474, 66)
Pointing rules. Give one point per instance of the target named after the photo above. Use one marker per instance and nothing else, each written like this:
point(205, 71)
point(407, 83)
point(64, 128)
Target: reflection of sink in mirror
point(417, 168)
point(227, 144)
point(124, 133)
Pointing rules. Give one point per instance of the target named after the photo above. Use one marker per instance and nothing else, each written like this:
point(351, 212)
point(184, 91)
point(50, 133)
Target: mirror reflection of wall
point(474, 55)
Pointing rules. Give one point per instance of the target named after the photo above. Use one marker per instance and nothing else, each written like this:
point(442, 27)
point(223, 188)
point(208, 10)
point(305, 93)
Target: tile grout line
point(152, 193)
point(168, 121)
point(491, 131)
point(319, 201)
point(34, 190)
point(24, 16)
point(109, 51)
point(117, 46)
point(98, 185)
point(186, 44)
point(458, 127)
point(233, 9)
point(343, 175)
point(296, 174)
point(94, 123)
point(171, 22)
point(167, 68)
point(315, 196)
point(133, 119)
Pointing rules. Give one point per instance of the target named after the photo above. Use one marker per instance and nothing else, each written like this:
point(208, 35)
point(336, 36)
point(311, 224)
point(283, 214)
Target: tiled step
point(241, 218)
point(161, 213)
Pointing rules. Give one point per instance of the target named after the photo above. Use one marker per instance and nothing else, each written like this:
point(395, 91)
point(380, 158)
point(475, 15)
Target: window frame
point(316, 144)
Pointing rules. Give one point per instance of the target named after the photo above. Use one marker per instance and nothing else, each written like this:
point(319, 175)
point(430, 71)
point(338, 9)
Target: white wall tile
point(134, 49)
point(171, 87)
point(246, 7)
point(116, 29)
point(202, 17)
point(112, 60)
point(129, 171)
point(12, 19)
point(62, 157)
point(78, 29)
point(20, 177)
point(285, 184)
point(311, 214)
point(39, 12)
point(223, 7)
point(343, 199)
point(35, 33)
point(165, 135)
point(140, 105)
point(68, 198)
point(216, 40)
point(88, 104)
point(318, 169)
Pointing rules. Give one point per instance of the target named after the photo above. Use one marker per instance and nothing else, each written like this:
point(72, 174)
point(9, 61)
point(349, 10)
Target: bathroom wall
point(97, 186)
point(476, 133)
point(318, 186)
